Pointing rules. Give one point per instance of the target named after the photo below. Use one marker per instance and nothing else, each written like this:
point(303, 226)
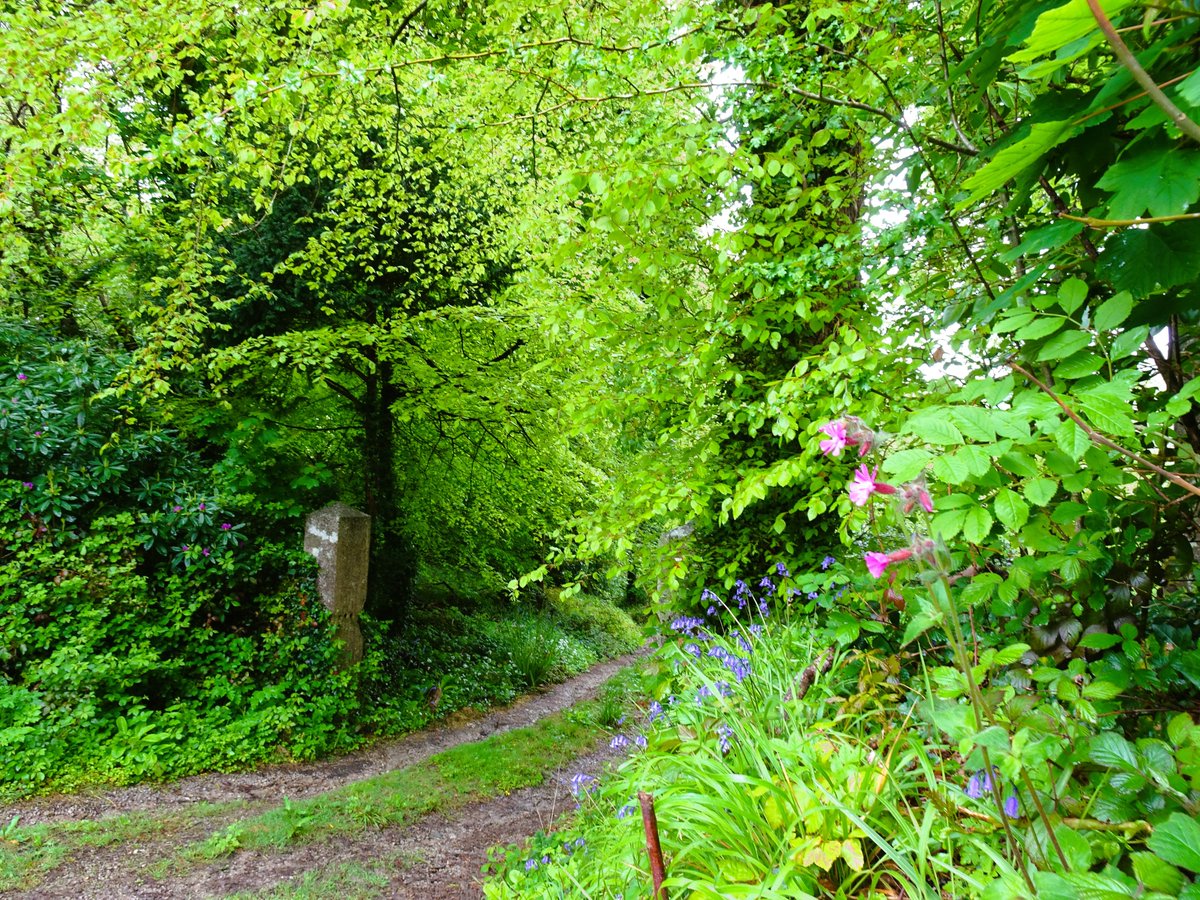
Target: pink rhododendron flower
point(864, 485)
point(833, 445)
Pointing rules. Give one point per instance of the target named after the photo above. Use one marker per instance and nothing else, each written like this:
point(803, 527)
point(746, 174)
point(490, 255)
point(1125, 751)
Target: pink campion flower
point(859, 435)
point(915, 493)
point(877, 563)
point(21, 376)
point(864, 485)
point(833, 445)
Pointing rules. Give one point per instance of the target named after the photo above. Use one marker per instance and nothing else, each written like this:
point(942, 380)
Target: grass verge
point(465, 774)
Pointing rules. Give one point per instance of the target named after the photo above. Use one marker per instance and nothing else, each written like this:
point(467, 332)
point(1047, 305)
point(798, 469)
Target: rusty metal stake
point(650, 822)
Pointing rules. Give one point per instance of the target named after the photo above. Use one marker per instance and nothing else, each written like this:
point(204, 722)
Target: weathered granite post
point(339, 536)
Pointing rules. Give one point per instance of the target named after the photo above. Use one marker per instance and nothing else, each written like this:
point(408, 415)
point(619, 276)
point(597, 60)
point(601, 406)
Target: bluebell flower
point(764, 609)
point(1012, 806)
point(827, 562)
point(579, 842)
point(724, 732)
point(723, 689)
point(712, 610)
point(692, 649)
point(738, 666)
point(530, 864)
point(579, 783)
point(686, 624)
point(626, 810)
point(755, 629)
point(782, 570)
point(641, 741)
point(979, 784)
point(812, 595)
point(545, 860)
point(654, 710)
point(618, 742)
point(767, 585)
point(702, 692)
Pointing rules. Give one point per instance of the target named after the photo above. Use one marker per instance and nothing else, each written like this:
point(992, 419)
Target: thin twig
point(1097, 438)
point(1140, 75)
point(1123, 223)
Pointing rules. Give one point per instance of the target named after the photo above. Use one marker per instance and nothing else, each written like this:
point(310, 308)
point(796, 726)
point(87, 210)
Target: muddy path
point(437, 856)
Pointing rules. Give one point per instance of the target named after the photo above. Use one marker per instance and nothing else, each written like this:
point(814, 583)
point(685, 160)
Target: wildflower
point(579, 842)
point(626, 810)
point(710, 598)
point(619, 742)
point(692, 649)
point(225, 526)
point(865, 484)
point(1012, 806)
point(702, 692)
point(37, 434)
point(579, 783)
point(641, 741)
point(545, 860)
point(827, 562)
point(812, 595)
point(176, 509)
point(913, 494)
point(724, 732)
point(877, 563)
point(738, 666)
point(723, 689)
point(740, 593)
point(204, 551)
point(655, 710)
point(202, 507)
point(755, 629)
point(763, 608)
point(767, 585)
point(979, 784)
point(531, 864)
point(686, 624)
point(782, 571)
point(28, 485)
point(21, 376)
point(711, 610)
point(833, 445)
point(859, 434)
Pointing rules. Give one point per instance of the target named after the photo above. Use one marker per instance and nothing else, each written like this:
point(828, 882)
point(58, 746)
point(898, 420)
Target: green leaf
point(1064, 344)
point(1113, 312)
point(1040, 328)
point(1011, 510)
point(918, 625)
point(1107, 408)
point(977, 524)
point(1079, 365)
point(1016, 157)
point(1157, 874)
point(1179, 729)
point(1072, 440)
point(1098, 640)
point(1111, 749)
point(1071, 294)
point(1165, 179)
point(947, 525)
point(597, 183)
point(1041, 491)
point(906, 465)
point(1178, 841)
point(1143, 260)
point(934, 427)
point(1063, 25)
point(1128, 342)
point(1102, 690)
point(951, 468)
point(974, 422)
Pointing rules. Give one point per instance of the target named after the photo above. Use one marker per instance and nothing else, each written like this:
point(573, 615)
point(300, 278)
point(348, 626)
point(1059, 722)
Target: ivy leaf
point(1165, 179)
point(1011, 510)
point(1113, 312)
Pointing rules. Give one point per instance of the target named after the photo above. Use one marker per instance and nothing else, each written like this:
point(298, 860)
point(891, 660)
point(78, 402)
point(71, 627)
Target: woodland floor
point(439, 856)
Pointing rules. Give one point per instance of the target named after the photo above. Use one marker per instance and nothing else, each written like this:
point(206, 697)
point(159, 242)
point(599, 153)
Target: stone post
point(339, 536)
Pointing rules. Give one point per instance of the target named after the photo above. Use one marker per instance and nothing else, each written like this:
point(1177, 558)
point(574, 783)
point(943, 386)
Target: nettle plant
point(1025, 716)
